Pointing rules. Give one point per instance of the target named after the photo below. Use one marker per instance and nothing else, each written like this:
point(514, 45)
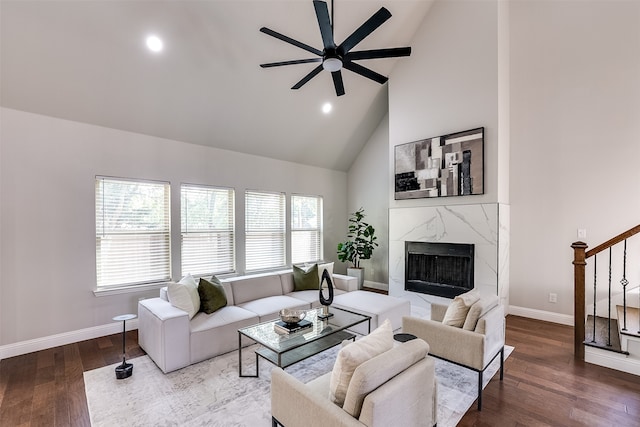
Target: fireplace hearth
point(442, 269)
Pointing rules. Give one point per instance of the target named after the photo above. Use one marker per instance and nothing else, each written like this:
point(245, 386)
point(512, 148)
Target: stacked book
point(289, 328)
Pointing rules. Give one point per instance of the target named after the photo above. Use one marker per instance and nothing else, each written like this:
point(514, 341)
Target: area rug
point(210, 393)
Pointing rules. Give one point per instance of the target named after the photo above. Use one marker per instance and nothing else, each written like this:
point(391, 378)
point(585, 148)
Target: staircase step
point(601, 339)
point(633, 321)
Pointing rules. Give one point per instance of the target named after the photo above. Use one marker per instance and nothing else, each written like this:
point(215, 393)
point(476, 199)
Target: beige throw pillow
point(184, 295)
point(457, 311)
point(353, 355)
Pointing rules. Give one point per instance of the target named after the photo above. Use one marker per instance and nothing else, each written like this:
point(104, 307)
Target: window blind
point(264, 230)
point(306, 229)
point(132, 232)
point(208, 233)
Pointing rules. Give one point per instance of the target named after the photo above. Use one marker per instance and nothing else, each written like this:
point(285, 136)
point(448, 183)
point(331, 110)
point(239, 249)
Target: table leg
point(240, 360)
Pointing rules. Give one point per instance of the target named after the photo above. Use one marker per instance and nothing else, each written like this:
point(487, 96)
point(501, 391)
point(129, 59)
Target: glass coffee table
point(284, 349)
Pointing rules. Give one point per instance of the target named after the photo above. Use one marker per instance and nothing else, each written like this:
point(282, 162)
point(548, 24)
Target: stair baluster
point(609, 318)
point(624, 282)
point(595, 282)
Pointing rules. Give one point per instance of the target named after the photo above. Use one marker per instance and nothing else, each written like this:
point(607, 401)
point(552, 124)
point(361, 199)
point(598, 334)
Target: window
point(264, 230)
point(306, 229)
point(208, 238)
point(132, 232)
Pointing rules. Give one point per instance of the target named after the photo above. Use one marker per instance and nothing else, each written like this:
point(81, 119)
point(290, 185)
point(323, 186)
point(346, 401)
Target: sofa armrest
point(164, 333)
point(448, 342)
point(345, 283)
point(293, 404)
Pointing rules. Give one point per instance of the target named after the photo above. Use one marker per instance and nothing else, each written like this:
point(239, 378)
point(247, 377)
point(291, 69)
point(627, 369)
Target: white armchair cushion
point(477, 310)
point(457, 311)
point(353, 355)
point(376, 371)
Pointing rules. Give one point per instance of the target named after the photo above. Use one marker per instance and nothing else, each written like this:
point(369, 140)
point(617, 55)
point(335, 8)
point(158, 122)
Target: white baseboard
point(375, 285)
point(609, 359)
point(547, 316)
point(29, 346)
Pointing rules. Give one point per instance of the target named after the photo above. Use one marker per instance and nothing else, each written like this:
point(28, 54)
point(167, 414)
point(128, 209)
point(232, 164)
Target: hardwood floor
point(543, 384)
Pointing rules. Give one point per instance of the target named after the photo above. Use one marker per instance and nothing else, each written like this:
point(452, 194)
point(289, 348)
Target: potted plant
point(362, 241)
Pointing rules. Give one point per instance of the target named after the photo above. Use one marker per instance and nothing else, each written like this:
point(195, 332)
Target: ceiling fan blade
point(295, 61)
point(365, 72)
point(290, 41)
point(322, 12)
point(379, 53)
point(337, 82)
point(364, 30)
point(308, 77)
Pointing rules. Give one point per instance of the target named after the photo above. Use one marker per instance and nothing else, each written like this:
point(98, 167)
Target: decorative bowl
point(292, 316)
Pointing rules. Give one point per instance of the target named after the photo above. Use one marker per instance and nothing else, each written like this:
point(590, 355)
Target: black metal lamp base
point(125, 370)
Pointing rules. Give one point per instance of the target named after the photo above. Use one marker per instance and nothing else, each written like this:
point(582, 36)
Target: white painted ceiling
point(86, 61)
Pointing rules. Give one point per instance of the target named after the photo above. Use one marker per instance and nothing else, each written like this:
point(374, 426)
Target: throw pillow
point(327, 266)
point(457, 311)
point(355, 354)
point(477, 310)
point(305, 280)
point(184, 295)
point(212, 295)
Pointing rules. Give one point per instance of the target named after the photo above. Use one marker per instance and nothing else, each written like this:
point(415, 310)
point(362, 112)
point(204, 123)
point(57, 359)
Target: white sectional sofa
point(173, 341)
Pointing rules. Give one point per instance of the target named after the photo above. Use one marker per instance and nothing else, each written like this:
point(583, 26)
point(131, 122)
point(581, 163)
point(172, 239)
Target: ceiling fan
point(335, 57)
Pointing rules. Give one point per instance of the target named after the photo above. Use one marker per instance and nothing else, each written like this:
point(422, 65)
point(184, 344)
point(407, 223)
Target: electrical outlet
point(582, 233)
point(553, 297)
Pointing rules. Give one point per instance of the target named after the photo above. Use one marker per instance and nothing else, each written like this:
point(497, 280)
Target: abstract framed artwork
point(447, 165)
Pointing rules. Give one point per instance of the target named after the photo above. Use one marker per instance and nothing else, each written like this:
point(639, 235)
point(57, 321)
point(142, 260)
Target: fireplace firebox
point(442, 269)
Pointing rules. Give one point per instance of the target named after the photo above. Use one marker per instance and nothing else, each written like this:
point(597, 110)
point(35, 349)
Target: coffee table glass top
point(265, 334)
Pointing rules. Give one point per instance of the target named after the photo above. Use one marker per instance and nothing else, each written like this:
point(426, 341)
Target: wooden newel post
point(579, 263)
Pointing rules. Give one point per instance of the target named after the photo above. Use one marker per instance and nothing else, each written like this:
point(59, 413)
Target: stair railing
point(580, 256)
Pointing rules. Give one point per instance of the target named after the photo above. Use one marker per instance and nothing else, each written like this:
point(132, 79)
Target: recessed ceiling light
point(154, 43)
point(327, 107)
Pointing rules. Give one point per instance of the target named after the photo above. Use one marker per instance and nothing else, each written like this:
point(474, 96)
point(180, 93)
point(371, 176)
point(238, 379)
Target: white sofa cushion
point(217, 333)
point(255, 287)
point(268, 308)
point(378, 306)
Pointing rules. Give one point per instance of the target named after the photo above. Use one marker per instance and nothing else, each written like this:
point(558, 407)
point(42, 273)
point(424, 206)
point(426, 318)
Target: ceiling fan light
point(332, 64)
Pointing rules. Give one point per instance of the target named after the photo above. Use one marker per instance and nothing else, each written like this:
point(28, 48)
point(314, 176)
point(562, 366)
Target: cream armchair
point(397, 387)
point(473, 346)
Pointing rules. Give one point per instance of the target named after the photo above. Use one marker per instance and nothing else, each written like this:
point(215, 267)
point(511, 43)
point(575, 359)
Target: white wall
point(575, 139)
point(47, 174)
point(367, 181)
point(449, 84)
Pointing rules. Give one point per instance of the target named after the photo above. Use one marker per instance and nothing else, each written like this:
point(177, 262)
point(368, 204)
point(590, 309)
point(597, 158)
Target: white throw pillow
point(321, 267)
point(353, 355)
point(457, 311)
point(184, 295)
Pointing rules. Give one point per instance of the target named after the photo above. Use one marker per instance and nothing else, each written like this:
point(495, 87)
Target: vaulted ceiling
point(86, 61)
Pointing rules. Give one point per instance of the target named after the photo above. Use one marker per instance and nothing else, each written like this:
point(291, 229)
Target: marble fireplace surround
point(484, 225)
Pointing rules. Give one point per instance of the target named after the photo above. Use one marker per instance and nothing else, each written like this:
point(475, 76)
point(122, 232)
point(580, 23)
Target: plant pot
point(356, 272)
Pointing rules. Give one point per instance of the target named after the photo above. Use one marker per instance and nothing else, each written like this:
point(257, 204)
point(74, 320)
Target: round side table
point(125, 370)
point(404, 337)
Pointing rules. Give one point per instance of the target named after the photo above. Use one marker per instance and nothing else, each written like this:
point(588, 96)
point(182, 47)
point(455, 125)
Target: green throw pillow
point(305, 280)
point(212, 295)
